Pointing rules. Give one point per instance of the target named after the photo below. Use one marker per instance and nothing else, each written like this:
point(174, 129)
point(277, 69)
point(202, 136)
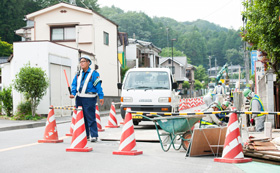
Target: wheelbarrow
point(175, 126)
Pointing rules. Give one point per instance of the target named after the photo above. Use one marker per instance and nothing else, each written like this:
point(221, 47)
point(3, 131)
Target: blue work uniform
point(86, 97)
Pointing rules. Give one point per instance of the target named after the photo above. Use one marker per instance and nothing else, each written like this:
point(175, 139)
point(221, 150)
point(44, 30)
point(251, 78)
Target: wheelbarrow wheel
point(186, 140)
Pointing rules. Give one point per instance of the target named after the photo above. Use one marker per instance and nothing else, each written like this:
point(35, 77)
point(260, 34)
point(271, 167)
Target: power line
point(230, 1)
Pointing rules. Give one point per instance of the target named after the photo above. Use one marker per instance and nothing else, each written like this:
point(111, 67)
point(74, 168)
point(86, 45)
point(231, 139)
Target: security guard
point(255, 105)
point(86, 86)
point(220, 92)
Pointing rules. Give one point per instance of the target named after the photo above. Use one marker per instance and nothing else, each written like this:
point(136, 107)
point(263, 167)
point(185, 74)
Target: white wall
point(38, 53)
point(131, 52)
point(106, 55)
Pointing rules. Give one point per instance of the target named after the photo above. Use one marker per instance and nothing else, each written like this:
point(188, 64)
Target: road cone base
point(101, 130)
point(86, 149)
point(224, 160)
point(112, 126)
point(69, 134)
point(132, 153)
point(49, 141)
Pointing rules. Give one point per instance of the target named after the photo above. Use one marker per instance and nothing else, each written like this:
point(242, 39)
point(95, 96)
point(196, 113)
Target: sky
point(226, 13)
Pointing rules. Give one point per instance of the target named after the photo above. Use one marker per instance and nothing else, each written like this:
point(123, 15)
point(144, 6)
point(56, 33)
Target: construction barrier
point(72, 123)
point(98, 120)
point(190, 103)
point(50, 135)
point(127, 141)
point(233, 152)
point(112, 121)
point(203, 113)
point(79, 138)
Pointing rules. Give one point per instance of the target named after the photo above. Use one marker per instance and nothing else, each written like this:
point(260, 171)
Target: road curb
point(40, 124)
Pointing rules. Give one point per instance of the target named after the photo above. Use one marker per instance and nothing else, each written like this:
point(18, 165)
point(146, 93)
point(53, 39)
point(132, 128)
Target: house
point(180, 64)
point(141, 54)
point(52, 33)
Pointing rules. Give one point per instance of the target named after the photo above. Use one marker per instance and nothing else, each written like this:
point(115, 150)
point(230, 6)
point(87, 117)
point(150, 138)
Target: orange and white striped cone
point(72, 123)
point(233, 152)
point(128, 142)
point(50, 135)
point(98, 120)
point(79, 138)
point(112, 121)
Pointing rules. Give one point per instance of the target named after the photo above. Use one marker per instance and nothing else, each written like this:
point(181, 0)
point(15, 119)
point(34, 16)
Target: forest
point(197, 40)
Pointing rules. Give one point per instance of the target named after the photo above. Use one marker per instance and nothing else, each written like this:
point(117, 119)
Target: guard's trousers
point(88, 105)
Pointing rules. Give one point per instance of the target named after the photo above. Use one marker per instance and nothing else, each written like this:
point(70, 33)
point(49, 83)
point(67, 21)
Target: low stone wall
point(108, 101)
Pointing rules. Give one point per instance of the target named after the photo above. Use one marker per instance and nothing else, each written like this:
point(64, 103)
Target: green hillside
point(197, 40)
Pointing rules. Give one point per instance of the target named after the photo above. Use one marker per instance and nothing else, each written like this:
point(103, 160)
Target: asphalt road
point(20, 152)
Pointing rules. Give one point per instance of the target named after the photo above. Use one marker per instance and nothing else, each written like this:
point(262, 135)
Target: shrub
point(24, 112)
point(6, 101)
point(33, 83)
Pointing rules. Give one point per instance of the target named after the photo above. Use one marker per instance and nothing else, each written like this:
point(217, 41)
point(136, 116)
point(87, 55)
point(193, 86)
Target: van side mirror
point(174, 86)
point(119, 85)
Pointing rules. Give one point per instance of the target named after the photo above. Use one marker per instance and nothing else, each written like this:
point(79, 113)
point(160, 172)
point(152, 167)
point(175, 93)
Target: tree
point(33, 83)
point(198, 85)
point(262, 30)
point(234, 56)
point(11, 15)
point(200, 74)
point(6, 49)
point(167, 52)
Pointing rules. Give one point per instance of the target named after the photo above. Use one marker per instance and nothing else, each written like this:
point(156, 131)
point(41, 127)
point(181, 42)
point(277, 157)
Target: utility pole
point(216, 65)
point(209, 65)
point(246, 57)
point(167, 29)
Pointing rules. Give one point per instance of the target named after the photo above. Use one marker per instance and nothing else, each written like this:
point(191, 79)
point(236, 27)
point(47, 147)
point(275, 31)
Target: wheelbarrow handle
point(146, 117)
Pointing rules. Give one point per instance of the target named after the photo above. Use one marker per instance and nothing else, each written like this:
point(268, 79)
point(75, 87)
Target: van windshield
point(145, 80)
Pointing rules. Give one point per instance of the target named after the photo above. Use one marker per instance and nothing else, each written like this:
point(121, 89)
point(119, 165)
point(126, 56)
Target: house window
point(106, 38)
point(63, 34)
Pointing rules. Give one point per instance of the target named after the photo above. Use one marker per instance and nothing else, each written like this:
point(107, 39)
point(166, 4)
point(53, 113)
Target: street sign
point(254, 56)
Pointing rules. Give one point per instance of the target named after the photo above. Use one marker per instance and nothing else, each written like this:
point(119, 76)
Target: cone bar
point(112, 121)
point(79, 138)
point(50, 135)
point(233, 152)
point(128, 142)
point(98, 120)
point(72, 123)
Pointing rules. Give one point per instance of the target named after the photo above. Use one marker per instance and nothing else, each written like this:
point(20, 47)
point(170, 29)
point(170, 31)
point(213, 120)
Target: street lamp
point(173, 70)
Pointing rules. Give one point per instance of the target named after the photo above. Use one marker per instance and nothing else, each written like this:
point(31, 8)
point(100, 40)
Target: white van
point(148, 90)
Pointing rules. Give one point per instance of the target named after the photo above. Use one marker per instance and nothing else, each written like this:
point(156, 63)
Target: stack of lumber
point(261, 148)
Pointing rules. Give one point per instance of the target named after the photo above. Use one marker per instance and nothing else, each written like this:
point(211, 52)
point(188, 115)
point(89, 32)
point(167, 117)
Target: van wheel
point(135, 123)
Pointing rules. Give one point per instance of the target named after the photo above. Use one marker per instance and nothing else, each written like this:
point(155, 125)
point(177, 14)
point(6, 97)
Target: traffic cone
point(112, 121)
point(98, 120)
point(50, 135)
point(233, 152)
point(72, 123)
point(128, 142)
point(79, 138)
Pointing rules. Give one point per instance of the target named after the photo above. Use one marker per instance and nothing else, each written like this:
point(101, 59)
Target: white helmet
point(87, 58)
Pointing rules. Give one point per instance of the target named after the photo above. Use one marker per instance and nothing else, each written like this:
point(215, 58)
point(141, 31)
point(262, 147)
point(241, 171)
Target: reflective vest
point(256, 97)
point(231, 94)
point(206, 122)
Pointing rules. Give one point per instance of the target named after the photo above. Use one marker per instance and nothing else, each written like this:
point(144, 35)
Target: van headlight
point(164, 99)
point(126, 99)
